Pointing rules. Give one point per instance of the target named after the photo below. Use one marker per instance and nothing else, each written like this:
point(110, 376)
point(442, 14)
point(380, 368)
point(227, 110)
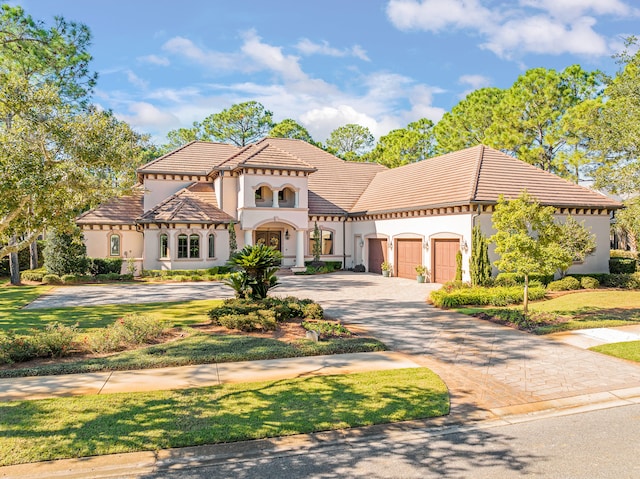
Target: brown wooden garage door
point(444, 260)
point(377, 254)
point(408, 256)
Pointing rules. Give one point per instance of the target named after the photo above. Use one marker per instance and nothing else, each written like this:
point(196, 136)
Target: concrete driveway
point(486, 366)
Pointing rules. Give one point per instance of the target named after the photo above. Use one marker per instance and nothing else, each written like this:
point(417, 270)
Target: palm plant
point(258, 265)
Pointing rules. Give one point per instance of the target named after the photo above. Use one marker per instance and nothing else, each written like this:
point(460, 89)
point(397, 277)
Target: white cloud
point(475, 81)
point(271, 57)
point(529, 26)
point(144, 115)
point(322, 121)
point(136, 80)
point(436, 15)
point(174, 95)
point(181, 46)
point(573, 9)
point(155, 60)
point(307, 47)
point(541, 34)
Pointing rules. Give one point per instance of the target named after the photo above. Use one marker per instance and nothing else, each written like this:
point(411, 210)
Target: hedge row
point(494, 296)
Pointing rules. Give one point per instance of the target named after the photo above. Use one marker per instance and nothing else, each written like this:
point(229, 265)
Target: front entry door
point(270, 238)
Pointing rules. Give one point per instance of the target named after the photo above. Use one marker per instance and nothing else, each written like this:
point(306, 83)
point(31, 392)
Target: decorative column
point(299, 267)
point(275, 194)
point(248, 237)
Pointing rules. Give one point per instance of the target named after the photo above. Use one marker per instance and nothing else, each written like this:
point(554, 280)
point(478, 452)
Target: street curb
point(138, 463)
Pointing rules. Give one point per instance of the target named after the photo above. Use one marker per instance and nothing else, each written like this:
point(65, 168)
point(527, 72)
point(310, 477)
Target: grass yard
point(628, 350)
point(14, 318)
point(108, 424)
point(196, 347)
point(580, 310)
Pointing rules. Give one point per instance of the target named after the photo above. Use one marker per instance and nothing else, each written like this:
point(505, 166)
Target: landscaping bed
point(125, 337)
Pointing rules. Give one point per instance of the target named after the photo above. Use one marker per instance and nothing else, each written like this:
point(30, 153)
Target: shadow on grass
point(107, 424)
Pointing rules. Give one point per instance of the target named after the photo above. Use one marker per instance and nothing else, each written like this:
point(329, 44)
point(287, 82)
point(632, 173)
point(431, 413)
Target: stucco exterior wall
point(249, 183)
point(425, 228)
point(152, 259)
point(598, 225)
point(97, 243)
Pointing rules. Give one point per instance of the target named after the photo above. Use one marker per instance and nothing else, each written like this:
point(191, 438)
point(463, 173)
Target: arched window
point(212, 246)
point(164, 245)
point(114, 245)
point(194, 246)
point(183, 246)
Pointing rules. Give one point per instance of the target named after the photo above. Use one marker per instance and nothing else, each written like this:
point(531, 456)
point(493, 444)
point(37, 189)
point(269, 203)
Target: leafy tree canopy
point(289, 128)
point(350, 141)
point(405, 145)
point(240, 124)
point(467, 122)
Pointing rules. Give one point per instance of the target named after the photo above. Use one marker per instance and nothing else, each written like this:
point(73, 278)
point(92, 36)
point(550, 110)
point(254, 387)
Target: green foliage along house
point(275, 190)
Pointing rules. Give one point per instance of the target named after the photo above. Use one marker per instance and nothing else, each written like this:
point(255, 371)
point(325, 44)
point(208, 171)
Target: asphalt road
point(600, 444)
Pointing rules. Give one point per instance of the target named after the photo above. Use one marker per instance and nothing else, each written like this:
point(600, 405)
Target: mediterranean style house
point(276, 190)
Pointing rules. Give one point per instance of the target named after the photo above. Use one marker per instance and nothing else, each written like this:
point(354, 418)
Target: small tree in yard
point(317, 243)
point(258, 265)
point(65, 253)
point(479, 264)
point(528, 239)
point(233, 242)
point(578, 241)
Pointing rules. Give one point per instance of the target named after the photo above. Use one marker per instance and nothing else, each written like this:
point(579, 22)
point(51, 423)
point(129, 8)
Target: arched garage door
point(444, 260)
point(377, 254)
point(408, 256)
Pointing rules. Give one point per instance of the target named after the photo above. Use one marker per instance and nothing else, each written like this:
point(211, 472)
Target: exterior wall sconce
point(464, 246)
point(286, 234)
point(361, 242)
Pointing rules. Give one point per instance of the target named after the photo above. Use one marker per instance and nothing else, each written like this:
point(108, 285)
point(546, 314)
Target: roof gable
point(194, 204)
point(265, 155)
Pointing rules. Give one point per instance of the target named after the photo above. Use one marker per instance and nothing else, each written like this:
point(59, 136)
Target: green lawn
point(107, 424)
point(195, 348)
point(18, 320)
point(579, 310)
point(628, 350)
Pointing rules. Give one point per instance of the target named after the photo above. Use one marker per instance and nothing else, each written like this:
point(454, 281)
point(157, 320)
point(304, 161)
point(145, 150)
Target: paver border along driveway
point(485, 365)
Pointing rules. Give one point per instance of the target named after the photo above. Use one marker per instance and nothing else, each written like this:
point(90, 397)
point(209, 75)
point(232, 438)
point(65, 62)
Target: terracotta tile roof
point(194, 204)
point(502, 174)
point(336, 185)
point(197, 158)
point(118, 211)
point(266, 155)
point(474, 175)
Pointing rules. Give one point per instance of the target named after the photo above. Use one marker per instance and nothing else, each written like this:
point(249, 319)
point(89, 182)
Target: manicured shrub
point(622, 265)
point(313, 311)
point(588, 282)
point(130, 330)
point(51, 279)
point(56, 340)
point(71, 278)
point(114, 277)
point(568, 283)
point(15, 349)
point(621, 253)
point(627, 281)
point(261, 320)
point(513, 279)
point(327, 328)
point(495, 296)
point(105, 265)
point(33, 275)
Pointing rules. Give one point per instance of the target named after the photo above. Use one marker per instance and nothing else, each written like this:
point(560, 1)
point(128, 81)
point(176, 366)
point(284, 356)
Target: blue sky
point(379, 63)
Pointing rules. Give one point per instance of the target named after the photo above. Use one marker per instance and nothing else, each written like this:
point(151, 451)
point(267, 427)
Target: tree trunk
point(526, 294)
point(33, 255)
point(14, 267)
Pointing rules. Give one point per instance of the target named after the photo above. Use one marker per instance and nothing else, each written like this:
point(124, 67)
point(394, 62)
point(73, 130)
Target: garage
point(408, 256)
point(377, 254)
point(444, 260)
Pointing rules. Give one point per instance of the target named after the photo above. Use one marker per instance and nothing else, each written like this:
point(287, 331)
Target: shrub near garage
point(452, 295)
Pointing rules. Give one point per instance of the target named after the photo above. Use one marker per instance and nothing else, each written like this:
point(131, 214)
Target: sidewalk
point(40, 387)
